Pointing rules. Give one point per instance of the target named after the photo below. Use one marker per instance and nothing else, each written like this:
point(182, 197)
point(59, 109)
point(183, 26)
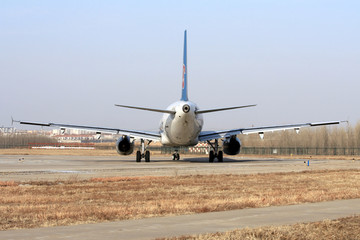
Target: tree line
point(339, 136)
point(23, 140)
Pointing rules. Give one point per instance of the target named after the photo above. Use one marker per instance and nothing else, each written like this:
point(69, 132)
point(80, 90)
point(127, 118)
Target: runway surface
point(151, 228)
point(25, 168)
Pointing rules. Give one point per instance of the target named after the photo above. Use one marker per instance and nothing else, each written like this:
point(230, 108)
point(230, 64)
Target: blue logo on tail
point(184, 95)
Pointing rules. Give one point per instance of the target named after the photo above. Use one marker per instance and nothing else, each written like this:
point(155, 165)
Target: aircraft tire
point(147, 156)
point(211, 156)
point(220, 156)
point(138, 156)
point(176, 156)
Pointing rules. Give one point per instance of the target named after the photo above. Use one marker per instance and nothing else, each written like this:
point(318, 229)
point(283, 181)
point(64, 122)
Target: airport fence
point(271, 151)
point(300, 151)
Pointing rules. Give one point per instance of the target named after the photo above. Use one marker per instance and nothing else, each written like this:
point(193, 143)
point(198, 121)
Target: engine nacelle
point(124, 146)
point(231, 146)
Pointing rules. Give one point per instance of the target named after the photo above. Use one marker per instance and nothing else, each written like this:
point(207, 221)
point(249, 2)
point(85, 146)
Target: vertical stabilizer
point(184, 93)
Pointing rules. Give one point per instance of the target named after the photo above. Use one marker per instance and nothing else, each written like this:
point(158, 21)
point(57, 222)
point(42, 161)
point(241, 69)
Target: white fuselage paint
point(183, 127)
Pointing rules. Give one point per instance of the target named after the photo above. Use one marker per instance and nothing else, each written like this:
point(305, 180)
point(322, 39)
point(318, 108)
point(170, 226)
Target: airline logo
point(183, 76)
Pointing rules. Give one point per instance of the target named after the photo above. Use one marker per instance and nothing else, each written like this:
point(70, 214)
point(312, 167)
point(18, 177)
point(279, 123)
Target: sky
point(71, 61)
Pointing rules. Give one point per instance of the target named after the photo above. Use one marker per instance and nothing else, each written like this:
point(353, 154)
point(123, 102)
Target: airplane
point(181, 126)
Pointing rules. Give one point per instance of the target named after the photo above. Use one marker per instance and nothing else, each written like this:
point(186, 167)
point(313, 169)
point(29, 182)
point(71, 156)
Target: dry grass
point(344, 228)
point(49, 203)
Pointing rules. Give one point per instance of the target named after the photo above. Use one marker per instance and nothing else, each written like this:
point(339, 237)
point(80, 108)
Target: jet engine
point(231, 145)
point(124, 146)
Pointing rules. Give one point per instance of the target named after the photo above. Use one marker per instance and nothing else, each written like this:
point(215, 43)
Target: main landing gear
point(214, 152)
point(143, 153)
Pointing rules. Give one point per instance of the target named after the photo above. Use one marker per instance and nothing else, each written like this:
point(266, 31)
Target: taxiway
point(43, 167)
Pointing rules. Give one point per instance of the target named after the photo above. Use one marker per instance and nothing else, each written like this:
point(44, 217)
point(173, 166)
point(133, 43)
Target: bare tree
point(23, 140)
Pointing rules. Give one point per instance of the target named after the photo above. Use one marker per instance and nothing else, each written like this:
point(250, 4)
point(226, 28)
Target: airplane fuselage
point(183, 127)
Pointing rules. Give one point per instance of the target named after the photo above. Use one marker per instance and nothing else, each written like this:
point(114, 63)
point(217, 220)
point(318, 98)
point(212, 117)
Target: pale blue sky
point(71, 61)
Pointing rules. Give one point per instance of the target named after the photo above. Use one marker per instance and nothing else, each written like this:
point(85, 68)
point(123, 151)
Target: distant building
point(7, 130)
point(83, 138)
point(75, 138)
point(71, 131)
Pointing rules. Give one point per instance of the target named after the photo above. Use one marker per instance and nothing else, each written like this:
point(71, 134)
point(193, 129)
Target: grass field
point(344, 228)
point(49, 203)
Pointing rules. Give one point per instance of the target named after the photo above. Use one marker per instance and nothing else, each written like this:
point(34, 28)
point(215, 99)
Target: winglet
point(184, 93)
point(12, 121)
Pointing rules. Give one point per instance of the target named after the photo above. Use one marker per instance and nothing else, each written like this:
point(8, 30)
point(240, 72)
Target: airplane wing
point(153, 136)
point(210, 135)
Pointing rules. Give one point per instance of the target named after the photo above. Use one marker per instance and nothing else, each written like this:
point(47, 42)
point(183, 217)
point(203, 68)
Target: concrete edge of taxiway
point(151, 228)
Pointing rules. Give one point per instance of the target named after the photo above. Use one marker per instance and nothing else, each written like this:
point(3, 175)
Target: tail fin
point(184, 93)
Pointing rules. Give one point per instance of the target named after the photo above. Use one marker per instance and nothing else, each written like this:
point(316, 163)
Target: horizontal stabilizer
point(223, 109)
point(147, 109)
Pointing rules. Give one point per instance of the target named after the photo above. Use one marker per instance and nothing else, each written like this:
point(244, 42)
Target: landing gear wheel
point(211, 156)
point(214, 152)
point(143, 153)
point(220, 156)
point(176, 156)
point(138, 156)
point(147, 156)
